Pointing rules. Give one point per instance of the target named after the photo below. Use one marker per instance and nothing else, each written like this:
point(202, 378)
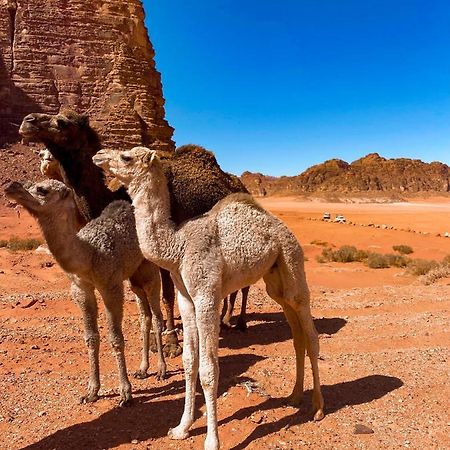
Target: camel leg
point(152, 290)
point(172, 347)
point(113, 299)
point(84, 296)
point(145, 318)
point(190, 363)
point(242, 322)
point(312, 346)
point(295, 399)
point(228, 306)
point(208, 324)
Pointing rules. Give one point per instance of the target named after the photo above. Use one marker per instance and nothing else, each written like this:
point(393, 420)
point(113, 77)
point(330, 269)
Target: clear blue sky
point(276, 86)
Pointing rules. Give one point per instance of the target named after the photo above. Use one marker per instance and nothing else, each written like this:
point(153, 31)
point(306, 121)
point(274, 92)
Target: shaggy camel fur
point(196, 182)
point(232, 246)
point(72, 142)
point(49, 166)
point(94, 258)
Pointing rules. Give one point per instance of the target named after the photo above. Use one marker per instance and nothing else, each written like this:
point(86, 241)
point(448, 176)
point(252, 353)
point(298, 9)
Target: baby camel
point(94, 257)
point(231, 246)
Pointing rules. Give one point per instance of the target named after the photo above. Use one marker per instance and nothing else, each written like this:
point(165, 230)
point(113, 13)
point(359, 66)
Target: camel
point(231, 246)
point(72, 143)
point(94, 258)
point(48, 166)
point(196, 182)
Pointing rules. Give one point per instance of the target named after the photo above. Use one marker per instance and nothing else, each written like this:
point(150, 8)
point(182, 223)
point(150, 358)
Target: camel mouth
point(16, 191)
point(100, 159)
point(28, 132)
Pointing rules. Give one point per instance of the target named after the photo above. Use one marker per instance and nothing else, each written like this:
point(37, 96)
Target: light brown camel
point(232, 246)
point(94, 257)
point(196, 182)
point(49, 166)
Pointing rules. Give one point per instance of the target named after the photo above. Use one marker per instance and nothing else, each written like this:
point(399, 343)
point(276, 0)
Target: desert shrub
point(327, 255)
point(420, 267)
point(3, 243)
point(403, 249)
point(446, 260)
point(347, 253)
point(319, 242)
point(15, 244)
point(377, 261)
point(441, 271)
point(397, 260)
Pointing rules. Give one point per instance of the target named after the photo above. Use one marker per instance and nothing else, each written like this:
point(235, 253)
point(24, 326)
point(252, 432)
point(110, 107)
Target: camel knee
point(92, 341)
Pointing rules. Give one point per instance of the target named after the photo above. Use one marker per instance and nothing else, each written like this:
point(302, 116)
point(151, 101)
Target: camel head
point(62, 129)
point(127, 165)
point(40, 198)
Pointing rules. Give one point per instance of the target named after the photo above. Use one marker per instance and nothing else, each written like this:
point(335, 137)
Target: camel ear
point(150, 158)
point(65, 193)
point(83, 120)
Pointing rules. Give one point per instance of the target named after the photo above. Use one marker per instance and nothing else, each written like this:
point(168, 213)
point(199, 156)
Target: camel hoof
point(241, 326)
point(225, 326)
point(89, 398)
point(172, 349)
point(141, 374)
point(161, 375)
point(178, 433)
point(294, 400)
point(319, 415)
point(125, 402)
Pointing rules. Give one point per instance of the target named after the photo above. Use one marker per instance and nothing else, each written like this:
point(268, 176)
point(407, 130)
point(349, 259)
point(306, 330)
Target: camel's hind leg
point(145, 318)
point(241, 323)
point(172, 347)
point(298, 314)
point(227, 311)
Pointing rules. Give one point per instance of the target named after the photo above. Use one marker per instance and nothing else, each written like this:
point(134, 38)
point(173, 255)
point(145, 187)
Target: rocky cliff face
point(372, 173)
point(92, 56)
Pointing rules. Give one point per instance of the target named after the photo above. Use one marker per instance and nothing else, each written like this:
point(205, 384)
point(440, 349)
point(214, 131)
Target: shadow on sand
point(151, 415)
point(271, 328)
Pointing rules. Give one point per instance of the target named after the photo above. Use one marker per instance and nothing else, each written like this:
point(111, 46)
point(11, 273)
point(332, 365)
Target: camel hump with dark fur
point(197, 182)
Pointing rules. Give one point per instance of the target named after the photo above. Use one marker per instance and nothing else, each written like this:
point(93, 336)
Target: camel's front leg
point(83, 294)
point(208, 324)
point(113, 298)
point(190, 363)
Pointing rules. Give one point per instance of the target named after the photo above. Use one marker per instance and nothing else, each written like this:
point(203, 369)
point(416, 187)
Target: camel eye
point(42, 191)
point(125, 158)
point(62, 123)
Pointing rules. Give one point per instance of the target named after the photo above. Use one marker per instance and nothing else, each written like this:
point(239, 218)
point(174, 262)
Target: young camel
point(94, 258)
point(196, 183)
point(232, 246)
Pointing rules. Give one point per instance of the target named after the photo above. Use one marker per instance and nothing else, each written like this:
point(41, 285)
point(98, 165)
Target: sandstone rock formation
point(90, 55)
point(372, 173)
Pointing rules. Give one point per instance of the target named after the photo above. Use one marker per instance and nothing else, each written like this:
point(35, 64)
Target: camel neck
point(157, 233)
point(86, 179)
point(60, 232)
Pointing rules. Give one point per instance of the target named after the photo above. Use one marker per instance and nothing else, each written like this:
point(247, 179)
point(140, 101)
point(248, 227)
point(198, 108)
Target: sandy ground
point(384, 350)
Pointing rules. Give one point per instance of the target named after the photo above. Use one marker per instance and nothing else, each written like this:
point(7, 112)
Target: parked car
point(326, 216)
point(339, 219)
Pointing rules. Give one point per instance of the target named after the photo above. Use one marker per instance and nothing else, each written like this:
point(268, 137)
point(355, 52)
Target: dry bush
point(403, 249)
point(441, 271)
point(397, 260)
point(420, 267)
point(16, 244)
point(377, 261)
point(319, 242)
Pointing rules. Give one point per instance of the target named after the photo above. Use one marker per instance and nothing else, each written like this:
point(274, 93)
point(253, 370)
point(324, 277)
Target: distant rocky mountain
point(370, 174)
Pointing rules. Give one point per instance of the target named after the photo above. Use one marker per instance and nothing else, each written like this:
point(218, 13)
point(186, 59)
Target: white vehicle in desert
point(339, 218)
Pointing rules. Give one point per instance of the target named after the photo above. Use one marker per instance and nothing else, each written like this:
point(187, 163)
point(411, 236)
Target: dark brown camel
point(73, 142)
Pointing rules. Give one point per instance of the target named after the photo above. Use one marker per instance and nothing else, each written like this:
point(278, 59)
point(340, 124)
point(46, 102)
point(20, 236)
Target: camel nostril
point(30, 119)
